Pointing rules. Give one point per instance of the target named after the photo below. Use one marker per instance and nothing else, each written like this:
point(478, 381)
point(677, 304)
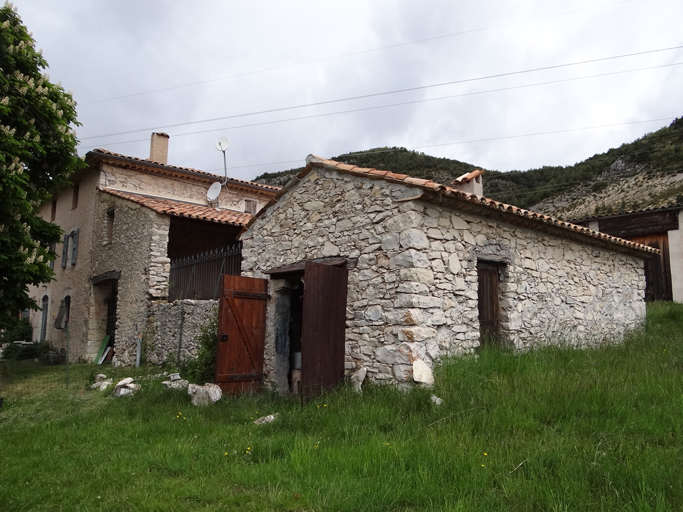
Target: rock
point(100, 377)
point(374, 313)
point(204, 395)
point(421, 373)
point(390, 241)
point(313, 206)
point(409, 259)
point(420, 275)
point(124, 382)
point(357, 379)
point(102, 385)
point(122, 391)
point(330, 249)
point(267, 419)
point(126, 389)
point(404, 221)
point(390, 356)
point(454, 263)
point(174, 376)
point(414, 238)
point(402, 372)
point(175, 384)
point(436, 400)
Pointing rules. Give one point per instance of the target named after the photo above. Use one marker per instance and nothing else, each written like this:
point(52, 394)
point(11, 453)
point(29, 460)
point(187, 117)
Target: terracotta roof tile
point(184, 209)
point(316, 162)
point(466, 178)
point(183, 170)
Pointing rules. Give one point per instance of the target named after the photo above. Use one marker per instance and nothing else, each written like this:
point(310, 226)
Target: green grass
point(555, 429)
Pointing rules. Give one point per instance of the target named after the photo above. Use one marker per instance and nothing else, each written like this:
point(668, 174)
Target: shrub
point(20, 331)
point(203, 368)
point(19, 352)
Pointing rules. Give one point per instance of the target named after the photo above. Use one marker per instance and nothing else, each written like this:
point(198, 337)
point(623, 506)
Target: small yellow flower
point(486, 454)
point(225, 453)
point(482, 465)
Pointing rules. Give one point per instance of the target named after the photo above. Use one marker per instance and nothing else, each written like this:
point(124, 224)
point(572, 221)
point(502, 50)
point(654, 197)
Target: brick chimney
point(158, 148)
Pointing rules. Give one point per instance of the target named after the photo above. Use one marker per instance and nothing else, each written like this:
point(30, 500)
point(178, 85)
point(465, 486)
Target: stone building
point(432, 271)
point(124, 219)
point(655, 227)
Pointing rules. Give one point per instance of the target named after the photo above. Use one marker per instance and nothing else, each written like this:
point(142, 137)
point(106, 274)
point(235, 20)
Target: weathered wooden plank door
point(323, 328)
point(657, 268)
point(241, 334)
point(489, 310)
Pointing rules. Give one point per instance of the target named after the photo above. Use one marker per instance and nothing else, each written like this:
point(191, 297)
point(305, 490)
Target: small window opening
point(109, 225)
point(74, 199)
point(250, 206)
point(53, 214)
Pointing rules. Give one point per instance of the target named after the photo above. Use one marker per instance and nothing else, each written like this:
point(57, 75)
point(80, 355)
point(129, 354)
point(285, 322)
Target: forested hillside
point(642, 173)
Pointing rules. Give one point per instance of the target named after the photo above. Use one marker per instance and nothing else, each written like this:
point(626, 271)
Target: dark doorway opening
point(103, 316)
point(296, 309)
point(489, 307)
point(312, 305)
point(657, 268)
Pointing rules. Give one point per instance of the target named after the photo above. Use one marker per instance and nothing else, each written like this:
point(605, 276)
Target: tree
point(37, 157)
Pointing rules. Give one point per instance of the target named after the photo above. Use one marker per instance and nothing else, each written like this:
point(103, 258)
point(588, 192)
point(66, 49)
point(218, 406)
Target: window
point(53, 214)
point(70, 247)
point(250, 206)
point(74, 199)
point(109, 225)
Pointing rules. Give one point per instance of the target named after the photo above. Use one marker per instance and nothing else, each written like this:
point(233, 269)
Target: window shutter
point(74, 246)
point(65, 249)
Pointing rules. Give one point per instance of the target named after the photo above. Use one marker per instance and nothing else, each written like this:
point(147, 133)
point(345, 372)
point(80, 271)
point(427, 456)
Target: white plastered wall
point(676, 259)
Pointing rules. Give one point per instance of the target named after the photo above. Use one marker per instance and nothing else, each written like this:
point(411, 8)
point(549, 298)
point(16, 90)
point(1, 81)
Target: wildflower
point(225, 453)
point(482, 466)
point(486, 454)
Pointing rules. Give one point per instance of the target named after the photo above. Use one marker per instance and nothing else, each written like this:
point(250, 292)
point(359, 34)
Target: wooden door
point(489, 310)
point(323, 327)
point(657, 268)
point(241, 334)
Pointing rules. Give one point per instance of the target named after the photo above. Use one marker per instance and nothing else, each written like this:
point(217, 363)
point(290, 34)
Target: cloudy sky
point(461, 79)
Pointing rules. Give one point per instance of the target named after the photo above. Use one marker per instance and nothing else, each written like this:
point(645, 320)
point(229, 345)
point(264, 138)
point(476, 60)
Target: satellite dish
point(222, 143)
point(214, 191)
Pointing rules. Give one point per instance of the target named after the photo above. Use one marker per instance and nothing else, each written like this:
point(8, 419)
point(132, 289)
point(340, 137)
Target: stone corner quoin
point(412, 293)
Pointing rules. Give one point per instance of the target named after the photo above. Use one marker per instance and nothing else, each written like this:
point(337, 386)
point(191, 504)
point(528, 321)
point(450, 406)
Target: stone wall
point(138, 252)
point(130, 180)
point(413, 291)
point(163, 336)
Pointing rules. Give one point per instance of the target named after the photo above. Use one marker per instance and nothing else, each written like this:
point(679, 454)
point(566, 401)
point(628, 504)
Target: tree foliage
point(37, 157)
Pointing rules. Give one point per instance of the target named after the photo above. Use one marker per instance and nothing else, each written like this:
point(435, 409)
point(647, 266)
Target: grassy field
point(555, 429)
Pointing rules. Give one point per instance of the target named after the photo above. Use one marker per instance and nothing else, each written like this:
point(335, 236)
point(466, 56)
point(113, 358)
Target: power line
point(389, 150)
point(404, 103)
point(360, 52)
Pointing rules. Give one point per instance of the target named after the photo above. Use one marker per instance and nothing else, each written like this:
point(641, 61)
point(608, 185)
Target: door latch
point(224, 337)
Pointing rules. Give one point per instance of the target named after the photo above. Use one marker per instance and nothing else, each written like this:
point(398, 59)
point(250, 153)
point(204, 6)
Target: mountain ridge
point(647, 172)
